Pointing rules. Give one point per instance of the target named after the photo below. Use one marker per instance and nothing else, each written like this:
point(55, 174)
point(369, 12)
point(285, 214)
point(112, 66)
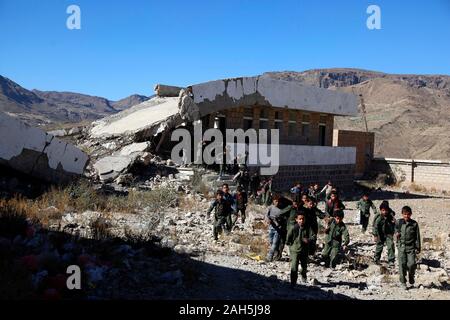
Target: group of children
point(386, 230)
point(294, 222)
point(227, 208)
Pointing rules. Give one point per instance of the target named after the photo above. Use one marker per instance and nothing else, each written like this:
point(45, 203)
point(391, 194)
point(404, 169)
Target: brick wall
point(364, 143)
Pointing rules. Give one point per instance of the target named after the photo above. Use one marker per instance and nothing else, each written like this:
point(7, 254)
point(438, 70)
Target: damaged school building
point(304, 116)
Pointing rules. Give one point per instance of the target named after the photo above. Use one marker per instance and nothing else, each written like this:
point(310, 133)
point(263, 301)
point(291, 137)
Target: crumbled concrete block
point(167, 91)
point(110, 167)
point(133, 148)
point(37, 153)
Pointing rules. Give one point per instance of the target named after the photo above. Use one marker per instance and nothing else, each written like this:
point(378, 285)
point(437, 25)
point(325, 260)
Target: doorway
point(322, 134)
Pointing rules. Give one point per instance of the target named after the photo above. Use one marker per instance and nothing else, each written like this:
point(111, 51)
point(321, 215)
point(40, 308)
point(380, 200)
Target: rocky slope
point(408, 113)
point(47, 107)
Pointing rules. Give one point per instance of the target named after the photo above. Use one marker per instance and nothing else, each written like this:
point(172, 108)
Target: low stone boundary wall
point(427, 173)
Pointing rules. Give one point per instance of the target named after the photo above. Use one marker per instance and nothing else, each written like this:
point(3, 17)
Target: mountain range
point(42, 108)
point(410, 114)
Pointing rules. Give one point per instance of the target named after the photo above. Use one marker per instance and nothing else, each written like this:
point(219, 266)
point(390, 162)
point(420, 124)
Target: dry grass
point(188, 204)
point(100, 229)
point(13, 215)
point(82, 197)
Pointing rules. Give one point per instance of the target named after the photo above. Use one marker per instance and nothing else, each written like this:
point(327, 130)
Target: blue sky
point(126, 47)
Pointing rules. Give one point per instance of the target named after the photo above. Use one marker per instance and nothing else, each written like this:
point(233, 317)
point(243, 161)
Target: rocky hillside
point(130, 101)
point(408, 113)
point(47, 107)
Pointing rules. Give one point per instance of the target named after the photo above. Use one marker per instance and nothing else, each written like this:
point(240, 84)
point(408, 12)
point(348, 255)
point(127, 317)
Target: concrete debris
point(167, 91)
point(37, 153)
point(124, 179)
point(115, 166)
point(134, 148)
point(109, 168)
point(66, 132)
point(58, 133)
point(143, 119)
point(188, 109)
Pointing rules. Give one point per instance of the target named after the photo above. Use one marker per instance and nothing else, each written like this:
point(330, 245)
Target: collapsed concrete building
point(303, 115)
point(37, 154)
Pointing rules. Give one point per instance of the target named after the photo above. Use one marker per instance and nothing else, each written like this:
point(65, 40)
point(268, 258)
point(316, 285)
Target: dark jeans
point(363, 221)
point(274, 240)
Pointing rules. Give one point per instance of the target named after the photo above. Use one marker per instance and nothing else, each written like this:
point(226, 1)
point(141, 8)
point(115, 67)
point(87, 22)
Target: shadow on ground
point(34, 261)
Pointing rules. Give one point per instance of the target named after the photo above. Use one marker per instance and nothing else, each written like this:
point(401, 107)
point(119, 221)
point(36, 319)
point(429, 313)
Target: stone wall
point(364, 143)
point(427, 173)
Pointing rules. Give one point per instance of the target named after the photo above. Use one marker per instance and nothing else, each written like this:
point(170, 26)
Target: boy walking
point(277, 219)
point(222, 213)
point(298, 240)
point(334, 204)
point(408, 243)
point(383, 233)
point(312, 213)
point(336, 232)
point(227, 196)
point(241, 200)
point(364, 205)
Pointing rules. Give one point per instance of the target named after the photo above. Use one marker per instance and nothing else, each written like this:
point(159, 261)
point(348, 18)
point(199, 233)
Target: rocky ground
point(365, 280)
point(244, 250)
point(233, 267)
point(165, 251)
